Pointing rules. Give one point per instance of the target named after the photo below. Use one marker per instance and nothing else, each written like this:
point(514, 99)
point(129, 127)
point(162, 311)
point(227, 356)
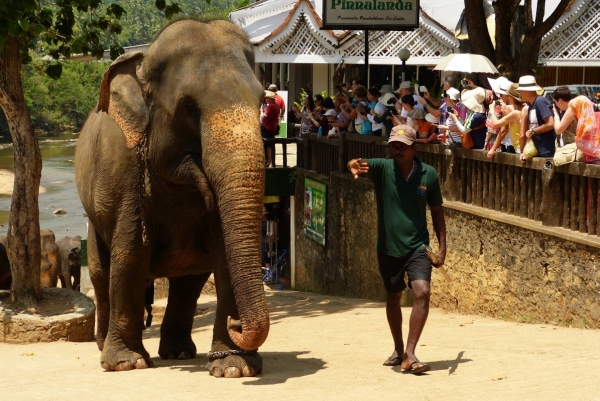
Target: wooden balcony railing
point(566, 196)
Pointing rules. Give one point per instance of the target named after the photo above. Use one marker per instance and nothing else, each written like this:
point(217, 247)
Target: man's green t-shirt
point(402, 205)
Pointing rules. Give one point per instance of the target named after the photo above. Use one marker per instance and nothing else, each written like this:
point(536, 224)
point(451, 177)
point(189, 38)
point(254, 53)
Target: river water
point(58, 179)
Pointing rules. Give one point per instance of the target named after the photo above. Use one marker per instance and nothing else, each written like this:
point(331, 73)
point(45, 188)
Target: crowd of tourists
point(511, 117)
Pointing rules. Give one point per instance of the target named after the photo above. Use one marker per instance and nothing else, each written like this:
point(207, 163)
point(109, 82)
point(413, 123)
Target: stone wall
point(500, 265)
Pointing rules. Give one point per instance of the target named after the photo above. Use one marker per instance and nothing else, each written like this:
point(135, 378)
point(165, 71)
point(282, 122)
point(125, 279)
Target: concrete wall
point(501, 265)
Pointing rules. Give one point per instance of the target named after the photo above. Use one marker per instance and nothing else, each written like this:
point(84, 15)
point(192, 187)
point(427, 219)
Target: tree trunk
point(479, 36)
point(24, 224)
point(504, 13)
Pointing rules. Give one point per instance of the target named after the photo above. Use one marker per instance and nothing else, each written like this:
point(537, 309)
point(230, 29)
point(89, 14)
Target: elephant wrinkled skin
point(170, 170)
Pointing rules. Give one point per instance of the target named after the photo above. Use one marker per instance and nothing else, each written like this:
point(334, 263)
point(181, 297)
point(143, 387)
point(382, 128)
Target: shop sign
point(315, 207)
point(378, 15)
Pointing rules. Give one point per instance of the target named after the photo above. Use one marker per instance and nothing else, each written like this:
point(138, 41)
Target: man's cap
point(273, 88)
point(404, 85)
point(270, 94)
point(402, 133)
point(330, 112)
point(387, 88)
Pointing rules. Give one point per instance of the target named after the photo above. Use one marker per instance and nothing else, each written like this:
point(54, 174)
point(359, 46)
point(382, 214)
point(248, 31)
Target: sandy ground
point(7, 180)
point(330, 348)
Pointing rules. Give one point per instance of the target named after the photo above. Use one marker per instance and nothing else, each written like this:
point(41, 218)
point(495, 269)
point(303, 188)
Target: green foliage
point(141, 26)
point(61, 28)
point(66, 102)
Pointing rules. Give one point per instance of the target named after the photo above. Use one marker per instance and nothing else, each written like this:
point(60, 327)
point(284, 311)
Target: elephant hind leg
point(99, 268)
point(176, 329)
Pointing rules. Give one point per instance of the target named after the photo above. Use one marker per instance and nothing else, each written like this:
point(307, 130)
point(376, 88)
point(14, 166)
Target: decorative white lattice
point(420, 42)
point(578, 40)
point(304, 41)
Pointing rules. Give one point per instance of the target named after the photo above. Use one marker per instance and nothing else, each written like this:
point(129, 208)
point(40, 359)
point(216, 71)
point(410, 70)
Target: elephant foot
point(124, 360)
point(241, 364)
point(177, 349)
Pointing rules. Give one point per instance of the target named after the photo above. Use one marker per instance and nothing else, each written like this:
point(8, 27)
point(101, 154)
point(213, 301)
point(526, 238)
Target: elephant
point(170, 170)
point(69, 254)
point(49, 265)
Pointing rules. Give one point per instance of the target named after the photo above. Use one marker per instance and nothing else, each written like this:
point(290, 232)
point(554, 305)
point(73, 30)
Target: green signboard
point(315, 206)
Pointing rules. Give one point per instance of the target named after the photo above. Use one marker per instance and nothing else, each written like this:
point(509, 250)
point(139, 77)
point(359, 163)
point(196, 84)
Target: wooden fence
point(566, 196)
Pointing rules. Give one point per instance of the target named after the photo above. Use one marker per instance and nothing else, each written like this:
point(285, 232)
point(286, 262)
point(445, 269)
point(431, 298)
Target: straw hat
point(404, 85)
point(528, 83)
point(514, 93)
point(270, 94)
point(473, 99)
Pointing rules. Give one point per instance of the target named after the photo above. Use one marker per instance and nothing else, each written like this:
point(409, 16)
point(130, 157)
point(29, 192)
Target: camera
point(450, 109)
point(366, 110)
point(464, 82)
point(497, 103)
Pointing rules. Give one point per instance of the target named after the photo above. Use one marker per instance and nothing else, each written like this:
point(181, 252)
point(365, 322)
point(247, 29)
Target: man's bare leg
point(418, 317)
point(394, 317)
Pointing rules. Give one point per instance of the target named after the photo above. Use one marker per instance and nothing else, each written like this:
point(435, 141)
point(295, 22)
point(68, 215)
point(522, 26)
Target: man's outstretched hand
point(358, 167)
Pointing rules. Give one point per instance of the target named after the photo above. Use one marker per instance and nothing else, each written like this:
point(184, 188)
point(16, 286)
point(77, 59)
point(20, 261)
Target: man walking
point(404, 187)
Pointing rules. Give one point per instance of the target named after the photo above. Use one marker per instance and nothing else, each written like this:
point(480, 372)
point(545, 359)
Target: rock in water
point(60, 211)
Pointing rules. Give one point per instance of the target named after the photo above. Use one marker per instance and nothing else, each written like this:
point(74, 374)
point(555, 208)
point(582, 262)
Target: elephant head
point(197, 123)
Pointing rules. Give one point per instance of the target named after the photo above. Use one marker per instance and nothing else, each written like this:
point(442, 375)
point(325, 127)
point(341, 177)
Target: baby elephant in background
point(69, 257)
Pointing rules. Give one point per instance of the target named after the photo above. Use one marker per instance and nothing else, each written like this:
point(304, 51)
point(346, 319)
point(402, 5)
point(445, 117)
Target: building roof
point(288, 31)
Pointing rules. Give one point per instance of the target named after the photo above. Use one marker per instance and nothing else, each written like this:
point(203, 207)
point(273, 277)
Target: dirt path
point(330, 348)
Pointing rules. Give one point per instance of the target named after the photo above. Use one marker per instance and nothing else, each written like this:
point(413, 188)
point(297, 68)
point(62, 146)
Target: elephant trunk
point(234, 162)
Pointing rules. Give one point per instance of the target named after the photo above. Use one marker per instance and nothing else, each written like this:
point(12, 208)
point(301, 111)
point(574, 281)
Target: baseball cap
point(402, 133)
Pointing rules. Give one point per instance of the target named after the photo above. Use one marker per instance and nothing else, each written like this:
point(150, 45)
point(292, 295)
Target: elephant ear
point(122, 97)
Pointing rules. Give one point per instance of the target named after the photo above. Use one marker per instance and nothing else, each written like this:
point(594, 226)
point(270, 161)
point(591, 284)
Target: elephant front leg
point(123, 347)
point(176, 329)
point(99, 270)
point(225, 359)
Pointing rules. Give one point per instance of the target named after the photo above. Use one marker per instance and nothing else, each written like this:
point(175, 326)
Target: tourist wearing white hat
point(511, 119)
point(474, 124)
point(540, 118)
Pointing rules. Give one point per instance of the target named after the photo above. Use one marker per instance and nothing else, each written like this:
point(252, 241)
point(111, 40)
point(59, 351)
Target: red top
point(280, 103)
point(271, 117)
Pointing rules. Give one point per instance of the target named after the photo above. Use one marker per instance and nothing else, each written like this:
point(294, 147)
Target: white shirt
point(380, 108)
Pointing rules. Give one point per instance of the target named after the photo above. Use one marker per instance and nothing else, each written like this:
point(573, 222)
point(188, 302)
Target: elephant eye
point(189, 105)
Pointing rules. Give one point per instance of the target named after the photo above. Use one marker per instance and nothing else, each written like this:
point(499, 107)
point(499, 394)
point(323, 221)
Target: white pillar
point(282, 76)
point(257, 71)
point(274, 67)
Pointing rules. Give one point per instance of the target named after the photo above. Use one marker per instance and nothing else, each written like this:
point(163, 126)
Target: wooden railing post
point(342, 152)
point(552, 197)
point(452, 182)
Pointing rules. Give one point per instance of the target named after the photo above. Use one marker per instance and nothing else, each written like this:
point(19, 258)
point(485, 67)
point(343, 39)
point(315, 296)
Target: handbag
point(351, 127)
point(529, 150)
point(567, 154)
point(467, 141)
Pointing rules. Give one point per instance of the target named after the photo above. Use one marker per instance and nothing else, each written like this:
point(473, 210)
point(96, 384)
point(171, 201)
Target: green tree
point(58, 28)
point(519, 61)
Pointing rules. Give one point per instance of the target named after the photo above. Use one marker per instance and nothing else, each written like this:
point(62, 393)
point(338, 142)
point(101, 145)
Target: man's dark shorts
point(417, 266)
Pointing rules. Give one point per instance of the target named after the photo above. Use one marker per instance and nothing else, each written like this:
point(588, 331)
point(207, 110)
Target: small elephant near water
point(49, 267)
point(170, 169)
point(69, 254)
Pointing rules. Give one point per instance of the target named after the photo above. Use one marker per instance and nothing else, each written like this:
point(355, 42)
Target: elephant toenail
point(232, 372)
point(249, 371)
point(216, 372)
